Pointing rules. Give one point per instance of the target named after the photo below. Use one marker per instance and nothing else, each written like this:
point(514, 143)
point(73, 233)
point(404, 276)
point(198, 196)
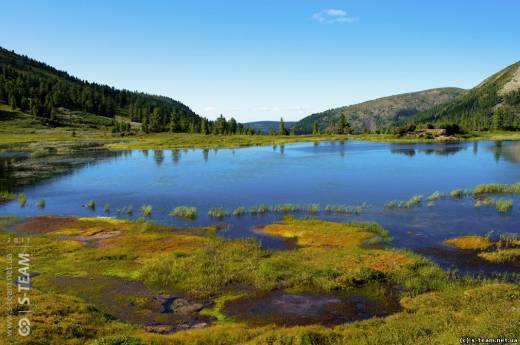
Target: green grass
point(239, 211)
point(497, 188)
point(146, 210)
point(128, 210)
point(457, 193)
point(6, 196)
point(91, 204)
point(313, 208)
point(217, 212)
point(504, 205)
point(184, 212)
point(435, 196)
point(22, 199)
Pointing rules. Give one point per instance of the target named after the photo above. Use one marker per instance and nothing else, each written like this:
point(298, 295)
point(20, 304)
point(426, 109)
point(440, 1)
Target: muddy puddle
point(285, 309)
point(133, 302)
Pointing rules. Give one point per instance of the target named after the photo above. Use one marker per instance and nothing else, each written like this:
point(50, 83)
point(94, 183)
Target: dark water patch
point(285, 309)
point(467, 261)
point(133, 302)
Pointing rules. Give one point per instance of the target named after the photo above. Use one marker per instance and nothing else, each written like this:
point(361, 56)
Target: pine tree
point(315, 128)
point(281, 128)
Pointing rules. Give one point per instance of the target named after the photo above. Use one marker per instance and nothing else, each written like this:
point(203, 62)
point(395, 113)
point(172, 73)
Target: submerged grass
point(184, 212)
point(40, 203)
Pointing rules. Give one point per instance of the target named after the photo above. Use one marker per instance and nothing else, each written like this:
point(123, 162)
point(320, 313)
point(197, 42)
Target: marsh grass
point(503, 205)
point(217, 212)
point(6, 196)
point(106, 208)
point(286, 208)
point(239, 211)
point(345, 209)
point(313, 208)
point(457, 193)
point(146, 210)
point(40, 203)
point(128, 210)
point(436, 196)
point(91, 204)
point(22, 199)
point(184, 212)
point(413, 201)
point(497, 188)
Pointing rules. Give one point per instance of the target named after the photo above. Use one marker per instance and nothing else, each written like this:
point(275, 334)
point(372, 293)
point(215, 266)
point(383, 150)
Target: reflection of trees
point(431, 149)
point(176, 156)
point(497, 150)
point(509, 152)
point(205, 154)
point(18, 172)
point(158, 156)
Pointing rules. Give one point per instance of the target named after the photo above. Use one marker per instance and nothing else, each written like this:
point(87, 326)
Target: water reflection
point(411, 150)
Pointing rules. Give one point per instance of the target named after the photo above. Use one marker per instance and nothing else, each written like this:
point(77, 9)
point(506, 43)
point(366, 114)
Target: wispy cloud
point(333, 16)
point(210, 108)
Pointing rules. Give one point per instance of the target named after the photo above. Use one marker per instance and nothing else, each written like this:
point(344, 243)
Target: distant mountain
point(493, 104)
point(381, 112)
point(43, 91)
point(267, 126)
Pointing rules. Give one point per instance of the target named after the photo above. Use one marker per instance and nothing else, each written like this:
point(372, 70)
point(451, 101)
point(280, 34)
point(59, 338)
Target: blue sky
point(259, 60)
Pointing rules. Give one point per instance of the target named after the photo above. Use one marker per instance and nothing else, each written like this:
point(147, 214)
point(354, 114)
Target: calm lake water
point(347, 172)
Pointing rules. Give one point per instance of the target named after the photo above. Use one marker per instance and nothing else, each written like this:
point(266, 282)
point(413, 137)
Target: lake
point(346, 172)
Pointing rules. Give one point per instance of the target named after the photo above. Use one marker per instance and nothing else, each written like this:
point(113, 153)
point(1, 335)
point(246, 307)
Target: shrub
point(40, 203)
point(6, 196)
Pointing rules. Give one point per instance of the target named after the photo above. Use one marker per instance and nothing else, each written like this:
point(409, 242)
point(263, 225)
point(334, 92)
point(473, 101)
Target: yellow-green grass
point(501, 256)
point(470, 242)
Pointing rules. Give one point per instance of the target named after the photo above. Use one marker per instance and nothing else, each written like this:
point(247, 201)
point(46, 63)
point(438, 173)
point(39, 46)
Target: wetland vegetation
point(214, 283)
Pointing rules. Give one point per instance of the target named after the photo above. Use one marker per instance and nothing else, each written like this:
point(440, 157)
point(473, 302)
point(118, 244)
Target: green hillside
point(380, 112)
point(494, 104)
point(53, 96)
point(267, 126)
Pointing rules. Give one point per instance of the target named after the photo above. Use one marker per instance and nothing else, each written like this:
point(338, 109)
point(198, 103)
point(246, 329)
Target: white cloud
point(210, 108)
point(333, 16)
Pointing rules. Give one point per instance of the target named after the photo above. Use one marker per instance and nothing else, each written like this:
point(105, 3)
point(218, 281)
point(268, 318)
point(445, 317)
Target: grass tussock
point(22, 199)
point(146, 210)
point(184, 212)
point(217, 212)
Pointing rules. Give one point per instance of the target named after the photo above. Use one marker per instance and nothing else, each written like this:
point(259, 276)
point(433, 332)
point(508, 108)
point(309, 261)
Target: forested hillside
point(494, 104)
point(378, 113)
point(40, 90)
